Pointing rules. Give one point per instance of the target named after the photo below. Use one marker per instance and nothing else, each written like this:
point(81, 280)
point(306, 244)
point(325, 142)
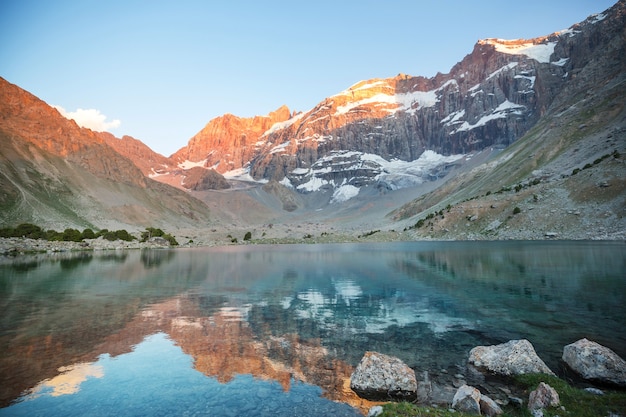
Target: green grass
point(409, 410)
point(575, 402)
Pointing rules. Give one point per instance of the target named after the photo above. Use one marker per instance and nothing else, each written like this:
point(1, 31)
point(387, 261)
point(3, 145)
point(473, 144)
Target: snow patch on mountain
point(241, 174)
point(187, 164)
point(500, 112)
point(539, 52)
point(507, 67)
point(344, 193)
point(394, 174)
point(402, 102)
point(282, 125)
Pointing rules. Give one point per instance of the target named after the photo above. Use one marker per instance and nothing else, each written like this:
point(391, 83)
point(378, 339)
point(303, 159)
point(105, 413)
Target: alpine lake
point(276, 330)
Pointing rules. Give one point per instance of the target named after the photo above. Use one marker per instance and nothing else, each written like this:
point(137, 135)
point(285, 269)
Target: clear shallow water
point(277, 330)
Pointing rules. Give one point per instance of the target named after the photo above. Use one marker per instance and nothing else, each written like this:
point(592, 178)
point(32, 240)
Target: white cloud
point(89, 118)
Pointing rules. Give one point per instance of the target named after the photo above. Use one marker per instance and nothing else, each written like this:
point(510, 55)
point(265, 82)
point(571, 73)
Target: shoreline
point(13, 247)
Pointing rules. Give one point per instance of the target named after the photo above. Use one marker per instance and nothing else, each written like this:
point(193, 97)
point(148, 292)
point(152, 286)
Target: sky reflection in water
point(277, 330)
point(158, 378)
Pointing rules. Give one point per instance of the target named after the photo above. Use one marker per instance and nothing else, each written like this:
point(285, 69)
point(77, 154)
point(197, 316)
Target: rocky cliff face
point(229, 142)
point(356, 137)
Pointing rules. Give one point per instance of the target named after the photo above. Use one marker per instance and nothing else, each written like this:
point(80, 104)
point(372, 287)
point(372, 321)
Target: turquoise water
point(277, 330)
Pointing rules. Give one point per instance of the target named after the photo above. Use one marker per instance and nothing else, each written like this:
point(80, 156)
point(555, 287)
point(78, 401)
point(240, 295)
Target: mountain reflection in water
point(293, 318)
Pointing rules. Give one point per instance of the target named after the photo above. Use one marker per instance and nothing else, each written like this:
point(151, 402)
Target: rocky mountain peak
point(229, 142)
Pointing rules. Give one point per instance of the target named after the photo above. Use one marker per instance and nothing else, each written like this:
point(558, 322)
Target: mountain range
point(520, 139)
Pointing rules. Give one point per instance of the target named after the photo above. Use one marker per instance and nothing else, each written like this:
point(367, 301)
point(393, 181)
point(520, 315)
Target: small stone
point(516, 401)
point(594, 391)
point(375, 411)
point(544, 396)
point(489, 407)
point(467, 400)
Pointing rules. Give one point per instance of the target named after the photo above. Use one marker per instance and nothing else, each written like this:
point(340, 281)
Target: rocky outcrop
point(514, 357)
point(543, 397)
point(229, 142)
point(199, 179)
point(380, 376)
point(286, 196)
point(595, 362)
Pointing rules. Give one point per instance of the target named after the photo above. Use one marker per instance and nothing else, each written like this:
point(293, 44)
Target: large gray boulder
point(595, 362)
point(514, 357)
point(380, 376)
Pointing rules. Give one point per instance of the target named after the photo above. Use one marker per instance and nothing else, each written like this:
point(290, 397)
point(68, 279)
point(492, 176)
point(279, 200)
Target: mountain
point(565, 177)
point(57, 175)
point(398, 132)
point(521, 139)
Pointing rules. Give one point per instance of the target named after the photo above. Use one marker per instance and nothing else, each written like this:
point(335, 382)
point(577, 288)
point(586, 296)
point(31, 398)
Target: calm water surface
point(277, 330)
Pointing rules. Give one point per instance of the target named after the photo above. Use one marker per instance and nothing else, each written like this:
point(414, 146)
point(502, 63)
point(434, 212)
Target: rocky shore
point(382, 377)
point(18, 246)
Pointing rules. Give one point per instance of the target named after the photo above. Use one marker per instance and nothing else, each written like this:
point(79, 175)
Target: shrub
point(517, 210)
point(151, 232)
point(419, 223)
point(28, 230)
point(72, 235)
point(170, 239)
point(247, 236)
point(88, 234)
point(123, 235)
point(109, 235)
point(54, 236)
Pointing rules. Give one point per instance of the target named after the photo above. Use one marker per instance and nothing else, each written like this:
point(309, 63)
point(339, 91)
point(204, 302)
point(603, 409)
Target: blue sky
point(160, 70)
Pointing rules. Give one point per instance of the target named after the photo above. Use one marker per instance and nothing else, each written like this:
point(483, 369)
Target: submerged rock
point(379, 376)
point(595, 362)
point(514, 357)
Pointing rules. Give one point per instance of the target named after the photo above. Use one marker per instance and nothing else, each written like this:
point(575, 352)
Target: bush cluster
point(32, 231)
point(151, 232)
